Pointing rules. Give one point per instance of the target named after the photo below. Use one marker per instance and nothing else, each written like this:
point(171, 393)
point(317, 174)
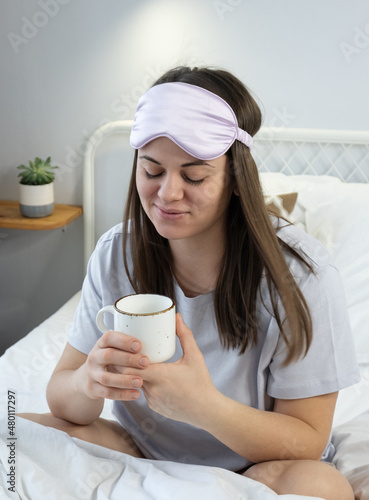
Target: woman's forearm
point(260, 435)
point(67, 400)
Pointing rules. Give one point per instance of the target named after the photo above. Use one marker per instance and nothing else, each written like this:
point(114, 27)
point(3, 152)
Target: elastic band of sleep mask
point(198, 121)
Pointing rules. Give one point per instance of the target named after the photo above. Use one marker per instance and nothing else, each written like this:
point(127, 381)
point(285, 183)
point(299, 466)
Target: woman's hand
point(111, 368)
point(181, 390)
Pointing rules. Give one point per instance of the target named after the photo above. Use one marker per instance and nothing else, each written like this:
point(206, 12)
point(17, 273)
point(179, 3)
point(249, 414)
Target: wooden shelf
point(10, 217)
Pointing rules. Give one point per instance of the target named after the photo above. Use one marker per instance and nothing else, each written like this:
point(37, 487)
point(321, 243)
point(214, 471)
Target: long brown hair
point(252, 245)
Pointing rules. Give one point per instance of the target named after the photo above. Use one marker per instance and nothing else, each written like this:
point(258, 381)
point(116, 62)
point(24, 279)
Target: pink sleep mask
point(198, 121)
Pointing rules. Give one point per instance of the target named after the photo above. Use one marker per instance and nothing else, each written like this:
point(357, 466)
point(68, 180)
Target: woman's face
point(183, 197)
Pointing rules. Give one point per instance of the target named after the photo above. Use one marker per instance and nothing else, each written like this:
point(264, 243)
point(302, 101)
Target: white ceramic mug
point(147, 317)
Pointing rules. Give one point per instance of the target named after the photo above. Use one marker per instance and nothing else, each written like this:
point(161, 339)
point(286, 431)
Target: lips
point(168, 213)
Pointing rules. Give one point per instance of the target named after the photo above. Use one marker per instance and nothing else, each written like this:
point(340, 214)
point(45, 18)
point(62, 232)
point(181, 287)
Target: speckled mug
point(147, 317)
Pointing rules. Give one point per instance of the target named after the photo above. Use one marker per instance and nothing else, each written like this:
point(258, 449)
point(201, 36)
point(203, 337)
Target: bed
point(327, 174)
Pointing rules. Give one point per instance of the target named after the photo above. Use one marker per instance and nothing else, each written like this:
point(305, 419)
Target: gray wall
point(69, 65)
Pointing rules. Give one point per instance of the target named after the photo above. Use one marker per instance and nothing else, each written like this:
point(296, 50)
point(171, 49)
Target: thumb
point(186, 338)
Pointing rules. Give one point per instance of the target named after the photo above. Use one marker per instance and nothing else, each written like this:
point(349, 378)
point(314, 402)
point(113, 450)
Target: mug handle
point(100, 319)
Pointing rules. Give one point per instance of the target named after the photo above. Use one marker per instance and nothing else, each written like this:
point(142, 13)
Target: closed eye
point(192, 181)
point(152, 176)
point(185, 177)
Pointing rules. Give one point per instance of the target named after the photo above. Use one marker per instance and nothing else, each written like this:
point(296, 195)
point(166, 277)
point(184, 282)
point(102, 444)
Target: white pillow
point(338, 216)
point(275, 183)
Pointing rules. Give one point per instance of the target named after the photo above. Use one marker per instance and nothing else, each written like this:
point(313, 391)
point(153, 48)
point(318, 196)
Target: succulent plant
point(37, 173)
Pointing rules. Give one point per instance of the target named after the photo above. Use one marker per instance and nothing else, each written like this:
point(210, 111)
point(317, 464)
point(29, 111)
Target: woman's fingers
point(105, 383)
point(119, 358)
point(120, 341)
point(111, 367)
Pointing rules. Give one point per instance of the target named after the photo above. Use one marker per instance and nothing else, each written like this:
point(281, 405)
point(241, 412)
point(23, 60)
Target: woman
point(264, 341)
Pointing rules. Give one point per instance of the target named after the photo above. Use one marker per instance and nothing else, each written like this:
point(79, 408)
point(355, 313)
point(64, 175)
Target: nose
point(171, 187)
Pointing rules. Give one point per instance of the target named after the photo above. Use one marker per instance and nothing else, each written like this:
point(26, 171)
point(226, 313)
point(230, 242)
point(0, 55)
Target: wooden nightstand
point(10, 217)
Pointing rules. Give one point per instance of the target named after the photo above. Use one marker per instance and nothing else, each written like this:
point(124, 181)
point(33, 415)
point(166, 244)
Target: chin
point(171, 234)
point(172, 231)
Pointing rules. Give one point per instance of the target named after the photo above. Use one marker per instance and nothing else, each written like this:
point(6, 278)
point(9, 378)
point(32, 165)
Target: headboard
point(340, 153)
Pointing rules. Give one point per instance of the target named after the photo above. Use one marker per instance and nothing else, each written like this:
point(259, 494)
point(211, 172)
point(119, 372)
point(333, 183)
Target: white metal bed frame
point(341, 153)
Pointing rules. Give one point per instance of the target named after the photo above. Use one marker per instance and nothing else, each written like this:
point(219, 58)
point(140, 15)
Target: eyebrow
point(189, 164)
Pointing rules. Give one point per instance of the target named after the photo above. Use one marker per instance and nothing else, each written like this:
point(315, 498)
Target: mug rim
point(143, 314)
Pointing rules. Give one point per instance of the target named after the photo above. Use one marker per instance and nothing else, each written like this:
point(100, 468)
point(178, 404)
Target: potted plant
point(36, 188)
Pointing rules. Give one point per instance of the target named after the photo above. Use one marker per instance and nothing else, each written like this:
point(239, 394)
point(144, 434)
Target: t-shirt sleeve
point(330, 364)
point(105, 282)
point(84, 333)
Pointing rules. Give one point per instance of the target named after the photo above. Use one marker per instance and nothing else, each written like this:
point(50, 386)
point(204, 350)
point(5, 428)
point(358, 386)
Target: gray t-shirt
point(254, 378)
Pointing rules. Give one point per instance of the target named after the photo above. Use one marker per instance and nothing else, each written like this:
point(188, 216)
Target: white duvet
point(54, 466)
point(51, 465)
